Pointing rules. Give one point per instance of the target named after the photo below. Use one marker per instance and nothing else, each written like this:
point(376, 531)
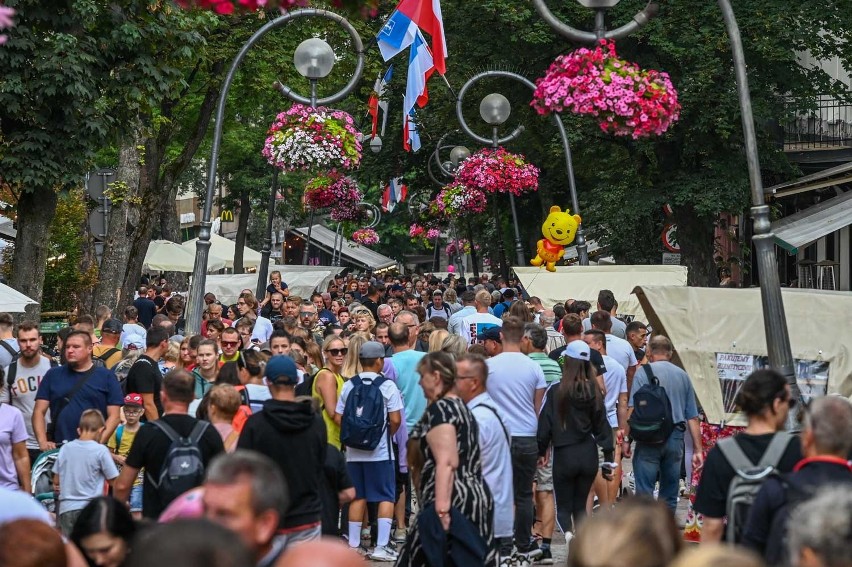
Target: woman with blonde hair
point(445, 463)
point(436, 339)
point(328, 384)
point(171, 358)
point(364, 323)
point(456, 345)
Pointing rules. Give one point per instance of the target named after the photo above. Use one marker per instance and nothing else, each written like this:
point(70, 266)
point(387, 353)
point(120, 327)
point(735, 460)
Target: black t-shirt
point(594, 356)
point(144, 378)
point(712, 494)
point(335, 479)
point(147, 309)
point(160, 302)
point(149, 450)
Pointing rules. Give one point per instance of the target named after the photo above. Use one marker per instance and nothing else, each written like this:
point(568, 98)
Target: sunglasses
point(230, 343)
point(337, 351)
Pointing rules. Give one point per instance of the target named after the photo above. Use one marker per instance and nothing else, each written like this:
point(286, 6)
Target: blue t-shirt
point(408, 381)
point(101, 390)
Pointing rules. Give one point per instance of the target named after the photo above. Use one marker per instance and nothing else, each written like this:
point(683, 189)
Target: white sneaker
point(383, 553)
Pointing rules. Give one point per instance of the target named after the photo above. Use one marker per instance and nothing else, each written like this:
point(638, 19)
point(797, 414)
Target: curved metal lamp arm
point(482, 140)
point(579, 36)
point(358, 46)
point(580, 238)
point(436, 155)
point(195, 305)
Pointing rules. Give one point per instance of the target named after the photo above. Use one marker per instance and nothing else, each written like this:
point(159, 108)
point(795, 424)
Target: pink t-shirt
point(12, 430)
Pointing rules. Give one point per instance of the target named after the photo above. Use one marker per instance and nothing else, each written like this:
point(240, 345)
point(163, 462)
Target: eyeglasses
point(337, 351)
point(230, 343)
point(306, 313)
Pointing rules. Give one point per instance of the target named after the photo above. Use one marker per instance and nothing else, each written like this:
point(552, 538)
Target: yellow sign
point(226, 216)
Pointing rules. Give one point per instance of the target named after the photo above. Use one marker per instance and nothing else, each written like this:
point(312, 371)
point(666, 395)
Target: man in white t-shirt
point(615, 401)
point(516, 384)
point(474, 324)
point(607, 302)
point(373, 472)
point(494, 443)
point(22, 378)
point(616, 348)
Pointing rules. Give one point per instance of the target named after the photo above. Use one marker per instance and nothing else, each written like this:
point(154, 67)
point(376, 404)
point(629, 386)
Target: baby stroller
point(42, 479)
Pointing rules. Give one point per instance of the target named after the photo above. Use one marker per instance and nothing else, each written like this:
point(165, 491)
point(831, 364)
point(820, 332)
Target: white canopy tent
point(224, 248)
point(13, 301)
point(300, 280)
point(168, 256)
point(719, 338)
point(584, 282)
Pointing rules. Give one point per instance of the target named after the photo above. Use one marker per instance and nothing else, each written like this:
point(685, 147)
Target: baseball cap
point(372, 349)
point(281, 370)
point(578, 349)
point(111, 326)
point(396, 287)
point(491, 333)
point(133, 400)
point(133, 342)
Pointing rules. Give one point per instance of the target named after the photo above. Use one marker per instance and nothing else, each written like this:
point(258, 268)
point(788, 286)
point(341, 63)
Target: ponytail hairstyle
point(577, 388)
point(444, 364)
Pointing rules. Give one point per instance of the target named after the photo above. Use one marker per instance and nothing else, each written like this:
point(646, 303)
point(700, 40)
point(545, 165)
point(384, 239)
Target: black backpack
point(12, 373)
point(183, 467)
point(651, 421)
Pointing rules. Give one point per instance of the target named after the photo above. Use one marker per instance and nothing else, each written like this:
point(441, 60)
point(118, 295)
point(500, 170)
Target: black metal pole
point(195, 304)
point(306, 253)
point(265, 252)
point(774, 317)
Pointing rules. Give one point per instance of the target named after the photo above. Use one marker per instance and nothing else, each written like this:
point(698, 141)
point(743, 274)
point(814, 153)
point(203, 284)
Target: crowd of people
point(405, 419)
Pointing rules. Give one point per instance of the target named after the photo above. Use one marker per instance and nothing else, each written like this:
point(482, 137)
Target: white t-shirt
point(257, 394)
point(24, 390)
point(621, 351)
point(474, 324)
point(615, 380)
point(393, 402)
point(496, 462)
point(513, 379)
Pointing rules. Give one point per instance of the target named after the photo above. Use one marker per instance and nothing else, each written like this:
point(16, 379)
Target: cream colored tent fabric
point(168, 256)
point(584, 282)
point(300, 280)
point(13, 301)
point(702, 322)
point(224, 248)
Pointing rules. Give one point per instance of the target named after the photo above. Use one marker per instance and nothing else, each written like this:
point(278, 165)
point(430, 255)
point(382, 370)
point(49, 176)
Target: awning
point(811, 224)
point(818, 180)
point(7, 229)
point(355, 253)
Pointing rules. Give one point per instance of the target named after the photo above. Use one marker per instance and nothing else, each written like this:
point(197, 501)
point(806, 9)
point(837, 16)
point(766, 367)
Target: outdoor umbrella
point(225, 248)
point(13, 301)
point(168, 256)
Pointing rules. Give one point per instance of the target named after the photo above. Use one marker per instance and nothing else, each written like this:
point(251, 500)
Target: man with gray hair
point(246, 493)
point(555, 339)
point(826, 442)
point(385, 313)
point(821, 530)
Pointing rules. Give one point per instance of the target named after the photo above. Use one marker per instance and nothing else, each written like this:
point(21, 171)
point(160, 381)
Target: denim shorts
point(136, 499)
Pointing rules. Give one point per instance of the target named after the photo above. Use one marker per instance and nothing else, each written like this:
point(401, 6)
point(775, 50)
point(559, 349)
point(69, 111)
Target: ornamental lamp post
point(495, 110)
point(375, 144)
point(317, 62)
point(313, 59)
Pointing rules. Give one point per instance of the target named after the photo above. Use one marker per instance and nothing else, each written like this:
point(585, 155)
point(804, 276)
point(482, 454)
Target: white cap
point(578, 349)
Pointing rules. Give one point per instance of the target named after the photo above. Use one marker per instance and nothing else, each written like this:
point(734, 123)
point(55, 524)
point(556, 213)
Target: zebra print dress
point(471, 496)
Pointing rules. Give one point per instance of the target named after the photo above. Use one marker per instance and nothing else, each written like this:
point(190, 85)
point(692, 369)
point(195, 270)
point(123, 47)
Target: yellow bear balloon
point(559, 230)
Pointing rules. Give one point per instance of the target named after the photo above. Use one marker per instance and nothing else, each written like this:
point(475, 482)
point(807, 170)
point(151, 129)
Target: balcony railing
point(829, 125)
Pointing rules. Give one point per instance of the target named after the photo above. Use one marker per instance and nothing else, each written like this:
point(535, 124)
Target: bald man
point(327, 552)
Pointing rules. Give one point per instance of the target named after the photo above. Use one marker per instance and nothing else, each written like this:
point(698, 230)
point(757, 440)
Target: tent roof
point(225, 248)
point(13, 301)
point(168, 256)
point(809, 225)
point(702, 322)
point(584, 282)
point(300, 280)
point(355, 253)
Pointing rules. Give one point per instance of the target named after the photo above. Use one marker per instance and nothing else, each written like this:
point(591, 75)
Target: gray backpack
point(748, 479)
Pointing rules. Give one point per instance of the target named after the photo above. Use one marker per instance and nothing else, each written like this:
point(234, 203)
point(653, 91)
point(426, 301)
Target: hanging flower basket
point(364, 8)
point(337, 191)
point(416, 231)
point(365, 236)
point(433, 234)
point(498, 171)
point(464, 245)
point(624, 99)
point(304, 138)
point(457, 200)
